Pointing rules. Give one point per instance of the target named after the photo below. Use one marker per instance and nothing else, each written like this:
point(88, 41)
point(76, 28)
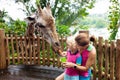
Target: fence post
point(2, 50)
point(100, 57)
point(118, 60)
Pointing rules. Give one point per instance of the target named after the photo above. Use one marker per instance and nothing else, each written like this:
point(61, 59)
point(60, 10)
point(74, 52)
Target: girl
point(73, 56)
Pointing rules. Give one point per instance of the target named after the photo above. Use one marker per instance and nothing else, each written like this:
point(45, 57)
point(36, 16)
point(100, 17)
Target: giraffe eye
point(42, 26)
point(39, 25)
point(30, 18)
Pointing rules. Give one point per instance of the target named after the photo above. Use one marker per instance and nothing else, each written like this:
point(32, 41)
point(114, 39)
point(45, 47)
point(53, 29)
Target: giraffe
point(43, 21)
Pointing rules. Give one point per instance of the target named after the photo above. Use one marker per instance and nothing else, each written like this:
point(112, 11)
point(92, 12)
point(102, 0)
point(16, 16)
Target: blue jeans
point(86, 78)
point(67, 77)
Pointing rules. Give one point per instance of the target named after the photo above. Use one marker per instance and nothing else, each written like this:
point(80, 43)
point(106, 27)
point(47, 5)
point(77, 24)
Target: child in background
point(72, 55)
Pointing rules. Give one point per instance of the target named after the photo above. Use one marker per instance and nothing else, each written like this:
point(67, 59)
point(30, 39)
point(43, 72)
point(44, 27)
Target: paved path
point(30, 73)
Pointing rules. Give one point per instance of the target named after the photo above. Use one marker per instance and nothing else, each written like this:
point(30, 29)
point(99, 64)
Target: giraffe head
point(44, 22)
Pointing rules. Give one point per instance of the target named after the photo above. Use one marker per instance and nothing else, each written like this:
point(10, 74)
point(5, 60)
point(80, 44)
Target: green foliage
point(63, 30)
point(114, 16)
point(12, 26)
point(3, 24)
point(18, 27)
point(37, 2)
point(3, 14)
point(66, 11)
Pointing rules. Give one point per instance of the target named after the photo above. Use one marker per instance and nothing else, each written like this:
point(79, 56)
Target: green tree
point(17, 27)
point(114, 17)
point(11, 26)
point(64, 11)
point(3, 24)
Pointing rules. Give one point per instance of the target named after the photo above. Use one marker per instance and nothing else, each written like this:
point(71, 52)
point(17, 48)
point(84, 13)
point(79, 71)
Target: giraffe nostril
point(57, 44)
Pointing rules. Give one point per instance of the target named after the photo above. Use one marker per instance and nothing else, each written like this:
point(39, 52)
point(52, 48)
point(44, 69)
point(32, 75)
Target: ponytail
point(92, 38)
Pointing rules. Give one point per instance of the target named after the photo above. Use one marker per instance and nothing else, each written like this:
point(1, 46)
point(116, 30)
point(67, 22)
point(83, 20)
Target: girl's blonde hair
point(70, 40)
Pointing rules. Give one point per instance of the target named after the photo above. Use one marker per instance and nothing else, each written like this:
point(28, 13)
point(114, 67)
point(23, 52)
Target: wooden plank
point(43, 52)
point(58, 62)
point(38, 49)
point(26, 50)
point(100, 58)
point(112, 53)
point(94, 65)
point(17, 46)
point(53, 58)
point(30, 50)
point(48, 54)
point(12, 46)
point(62, 43)
point(7, 51)
point(117, 71)
point(22, 51)
point(34, 54)
point(9, 38)
point(2, 50)
point(106, 59)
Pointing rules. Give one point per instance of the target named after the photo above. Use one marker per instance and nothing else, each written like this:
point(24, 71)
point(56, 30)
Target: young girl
point(73, 56)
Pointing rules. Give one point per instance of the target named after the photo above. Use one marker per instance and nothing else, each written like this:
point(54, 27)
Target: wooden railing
point(15, 50)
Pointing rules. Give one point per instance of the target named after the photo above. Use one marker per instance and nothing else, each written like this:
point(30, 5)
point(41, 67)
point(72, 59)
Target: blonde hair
point(70, 40)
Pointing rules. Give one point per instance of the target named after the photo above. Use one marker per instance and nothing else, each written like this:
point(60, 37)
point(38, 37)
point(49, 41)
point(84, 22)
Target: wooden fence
point(15, 50)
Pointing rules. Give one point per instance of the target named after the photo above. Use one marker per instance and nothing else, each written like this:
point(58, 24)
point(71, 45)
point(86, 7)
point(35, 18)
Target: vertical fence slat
point(58, 62)
point(48, 54)
point(26, 50)
point(8, 50)
point(94, 66)
point(100, 58)
point(43, 51)
point(30, 50)
point(12, 46)
point(34, 55)
point(62, 43)
point(112, 53)
point(17, 47)
point(53, 59)
point(2, 50)
point(117, 70)
point(106, 59)
point(45, 54)
point(38, 49)
point(22, 51)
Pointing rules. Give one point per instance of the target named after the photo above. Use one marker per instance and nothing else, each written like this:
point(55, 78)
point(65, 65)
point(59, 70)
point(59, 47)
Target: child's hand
point(68, 64)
